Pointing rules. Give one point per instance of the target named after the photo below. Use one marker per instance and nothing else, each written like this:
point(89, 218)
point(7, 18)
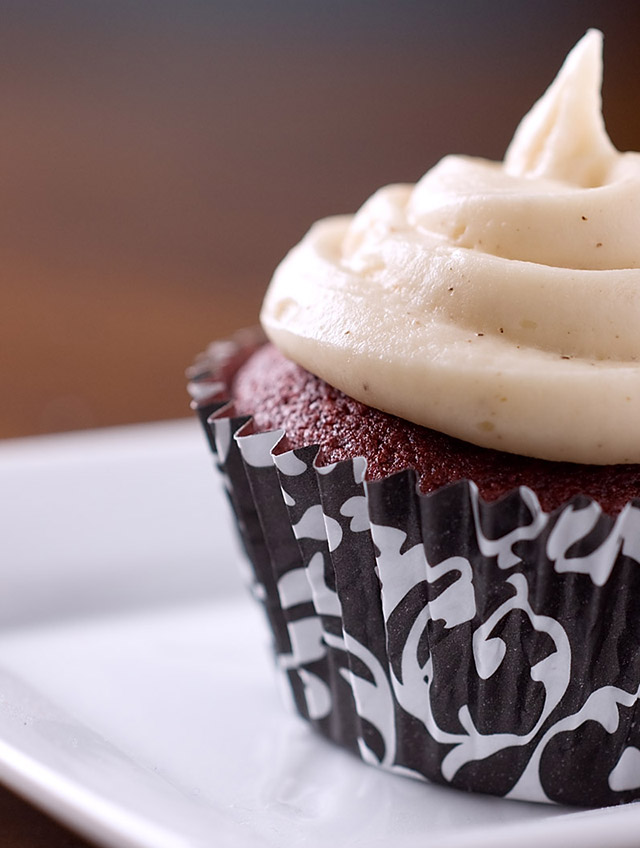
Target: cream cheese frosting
point(495, 302)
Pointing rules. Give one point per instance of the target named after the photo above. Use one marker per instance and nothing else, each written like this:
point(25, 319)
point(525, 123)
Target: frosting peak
point(495, 302)
point(563, 137)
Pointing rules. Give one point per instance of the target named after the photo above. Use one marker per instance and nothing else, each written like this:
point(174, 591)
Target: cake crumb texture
point(280, 394)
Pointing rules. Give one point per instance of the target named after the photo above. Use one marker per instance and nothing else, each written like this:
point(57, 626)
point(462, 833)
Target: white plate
point(137, 701)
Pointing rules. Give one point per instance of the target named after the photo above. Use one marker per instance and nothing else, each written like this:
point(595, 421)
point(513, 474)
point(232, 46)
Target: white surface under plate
point(137, 698)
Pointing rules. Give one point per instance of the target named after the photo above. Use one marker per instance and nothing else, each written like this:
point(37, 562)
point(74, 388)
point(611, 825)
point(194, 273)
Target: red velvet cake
point(280, 394)
point(481, 629)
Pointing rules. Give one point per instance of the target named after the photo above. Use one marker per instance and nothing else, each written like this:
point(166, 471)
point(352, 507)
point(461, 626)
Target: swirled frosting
point(495, 302)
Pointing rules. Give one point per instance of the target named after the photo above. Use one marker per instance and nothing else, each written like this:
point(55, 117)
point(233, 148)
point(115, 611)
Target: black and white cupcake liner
point(489, 646)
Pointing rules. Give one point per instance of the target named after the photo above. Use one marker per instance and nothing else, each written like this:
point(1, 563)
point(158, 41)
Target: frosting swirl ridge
point(495, 302)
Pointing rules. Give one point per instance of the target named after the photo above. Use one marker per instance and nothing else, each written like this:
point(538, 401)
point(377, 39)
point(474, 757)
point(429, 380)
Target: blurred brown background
point(157, 159)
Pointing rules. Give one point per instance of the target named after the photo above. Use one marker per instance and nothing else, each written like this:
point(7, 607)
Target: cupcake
point(433, 464)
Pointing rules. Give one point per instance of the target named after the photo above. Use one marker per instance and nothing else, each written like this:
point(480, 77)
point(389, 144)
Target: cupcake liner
point(489, 646)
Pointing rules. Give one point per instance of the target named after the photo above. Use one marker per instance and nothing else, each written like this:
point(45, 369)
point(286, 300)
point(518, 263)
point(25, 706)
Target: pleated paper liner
point(489, 646)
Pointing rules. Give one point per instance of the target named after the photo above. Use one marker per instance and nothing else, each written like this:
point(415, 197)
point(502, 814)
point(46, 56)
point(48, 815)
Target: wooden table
point(22, 825)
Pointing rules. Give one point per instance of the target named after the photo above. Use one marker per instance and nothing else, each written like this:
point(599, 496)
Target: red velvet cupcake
point(434, 472)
